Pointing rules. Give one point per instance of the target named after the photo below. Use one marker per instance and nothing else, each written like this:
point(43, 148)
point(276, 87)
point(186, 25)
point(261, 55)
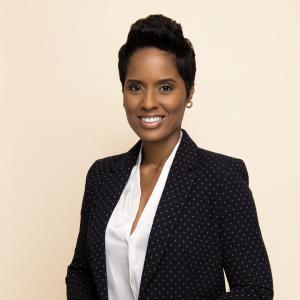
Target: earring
point(189, 104)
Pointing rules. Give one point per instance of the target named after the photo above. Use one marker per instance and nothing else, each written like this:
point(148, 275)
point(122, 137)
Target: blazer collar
point(186, 154)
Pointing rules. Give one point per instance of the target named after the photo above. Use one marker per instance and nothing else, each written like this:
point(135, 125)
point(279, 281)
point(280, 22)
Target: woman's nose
point(149, 99)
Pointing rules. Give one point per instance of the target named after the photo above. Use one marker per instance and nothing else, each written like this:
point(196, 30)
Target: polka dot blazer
point(206, 223)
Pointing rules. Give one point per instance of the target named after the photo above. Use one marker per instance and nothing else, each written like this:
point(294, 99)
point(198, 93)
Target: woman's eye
point(134, 88)
point(166, 88)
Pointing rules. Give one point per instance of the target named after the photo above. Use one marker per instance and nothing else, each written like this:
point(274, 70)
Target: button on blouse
point(125, 252)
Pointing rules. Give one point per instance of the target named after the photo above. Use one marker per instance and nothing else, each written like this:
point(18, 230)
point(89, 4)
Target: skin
point(154, 85)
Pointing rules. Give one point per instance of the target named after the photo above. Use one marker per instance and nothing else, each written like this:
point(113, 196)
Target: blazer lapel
point(115, 173)
point(171, 204)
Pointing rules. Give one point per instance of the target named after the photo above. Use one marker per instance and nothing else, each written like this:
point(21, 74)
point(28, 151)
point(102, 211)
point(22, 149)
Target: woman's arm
point(245, 258)
point(79, 279)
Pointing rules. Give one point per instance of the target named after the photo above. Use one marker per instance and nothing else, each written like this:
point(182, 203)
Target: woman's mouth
point(151, 122)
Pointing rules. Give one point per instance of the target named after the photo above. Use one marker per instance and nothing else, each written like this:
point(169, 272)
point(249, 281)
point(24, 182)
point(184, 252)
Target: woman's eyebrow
point(159, 81)
point(134, 81)
point(166, 80)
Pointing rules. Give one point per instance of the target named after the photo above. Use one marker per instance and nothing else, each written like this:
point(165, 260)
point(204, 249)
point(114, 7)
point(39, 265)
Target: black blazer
point(206, 222)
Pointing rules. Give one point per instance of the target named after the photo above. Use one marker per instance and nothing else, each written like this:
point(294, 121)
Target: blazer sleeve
point(245, 259)
point(79, 281)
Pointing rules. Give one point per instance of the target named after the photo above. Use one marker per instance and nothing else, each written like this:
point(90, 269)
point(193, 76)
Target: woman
point(163, 220)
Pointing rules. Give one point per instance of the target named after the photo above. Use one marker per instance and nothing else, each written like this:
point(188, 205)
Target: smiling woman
point(166, 218)
point(154, 95)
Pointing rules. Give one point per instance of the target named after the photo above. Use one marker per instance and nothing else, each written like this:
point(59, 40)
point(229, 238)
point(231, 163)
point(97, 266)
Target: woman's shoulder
point(222, 164)
point(104, 163)
point(216, 157)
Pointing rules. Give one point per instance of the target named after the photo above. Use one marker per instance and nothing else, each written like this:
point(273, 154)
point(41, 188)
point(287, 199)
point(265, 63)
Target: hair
point(165, 34)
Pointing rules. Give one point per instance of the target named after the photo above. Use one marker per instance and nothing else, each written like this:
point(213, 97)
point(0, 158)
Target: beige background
point(61, 109)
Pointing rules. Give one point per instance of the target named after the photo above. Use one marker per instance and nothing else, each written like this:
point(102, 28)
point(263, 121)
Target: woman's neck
point(155, 154)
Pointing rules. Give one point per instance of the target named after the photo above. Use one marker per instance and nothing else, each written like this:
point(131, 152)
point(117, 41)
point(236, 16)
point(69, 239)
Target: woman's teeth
point(151, 120)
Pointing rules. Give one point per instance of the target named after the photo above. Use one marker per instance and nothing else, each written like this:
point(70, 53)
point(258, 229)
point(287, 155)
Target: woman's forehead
point(152, 62)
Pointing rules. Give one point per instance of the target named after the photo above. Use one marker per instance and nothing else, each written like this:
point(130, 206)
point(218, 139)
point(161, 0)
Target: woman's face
point(153, 87)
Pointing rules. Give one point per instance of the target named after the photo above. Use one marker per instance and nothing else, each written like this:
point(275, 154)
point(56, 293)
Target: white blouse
point(125, 253)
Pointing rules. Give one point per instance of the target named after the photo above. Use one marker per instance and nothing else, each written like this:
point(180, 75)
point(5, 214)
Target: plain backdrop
point(61, 109)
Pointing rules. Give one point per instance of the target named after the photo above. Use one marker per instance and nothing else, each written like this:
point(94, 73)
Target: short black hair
point(163, 33)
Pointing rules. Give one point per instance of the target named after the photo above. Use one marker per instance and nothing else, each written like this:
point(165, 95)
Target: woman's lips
point(151, 124)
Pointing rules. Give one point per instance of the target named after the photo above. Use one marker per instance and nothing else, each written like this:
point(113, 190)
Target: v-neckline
point(138, 183)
